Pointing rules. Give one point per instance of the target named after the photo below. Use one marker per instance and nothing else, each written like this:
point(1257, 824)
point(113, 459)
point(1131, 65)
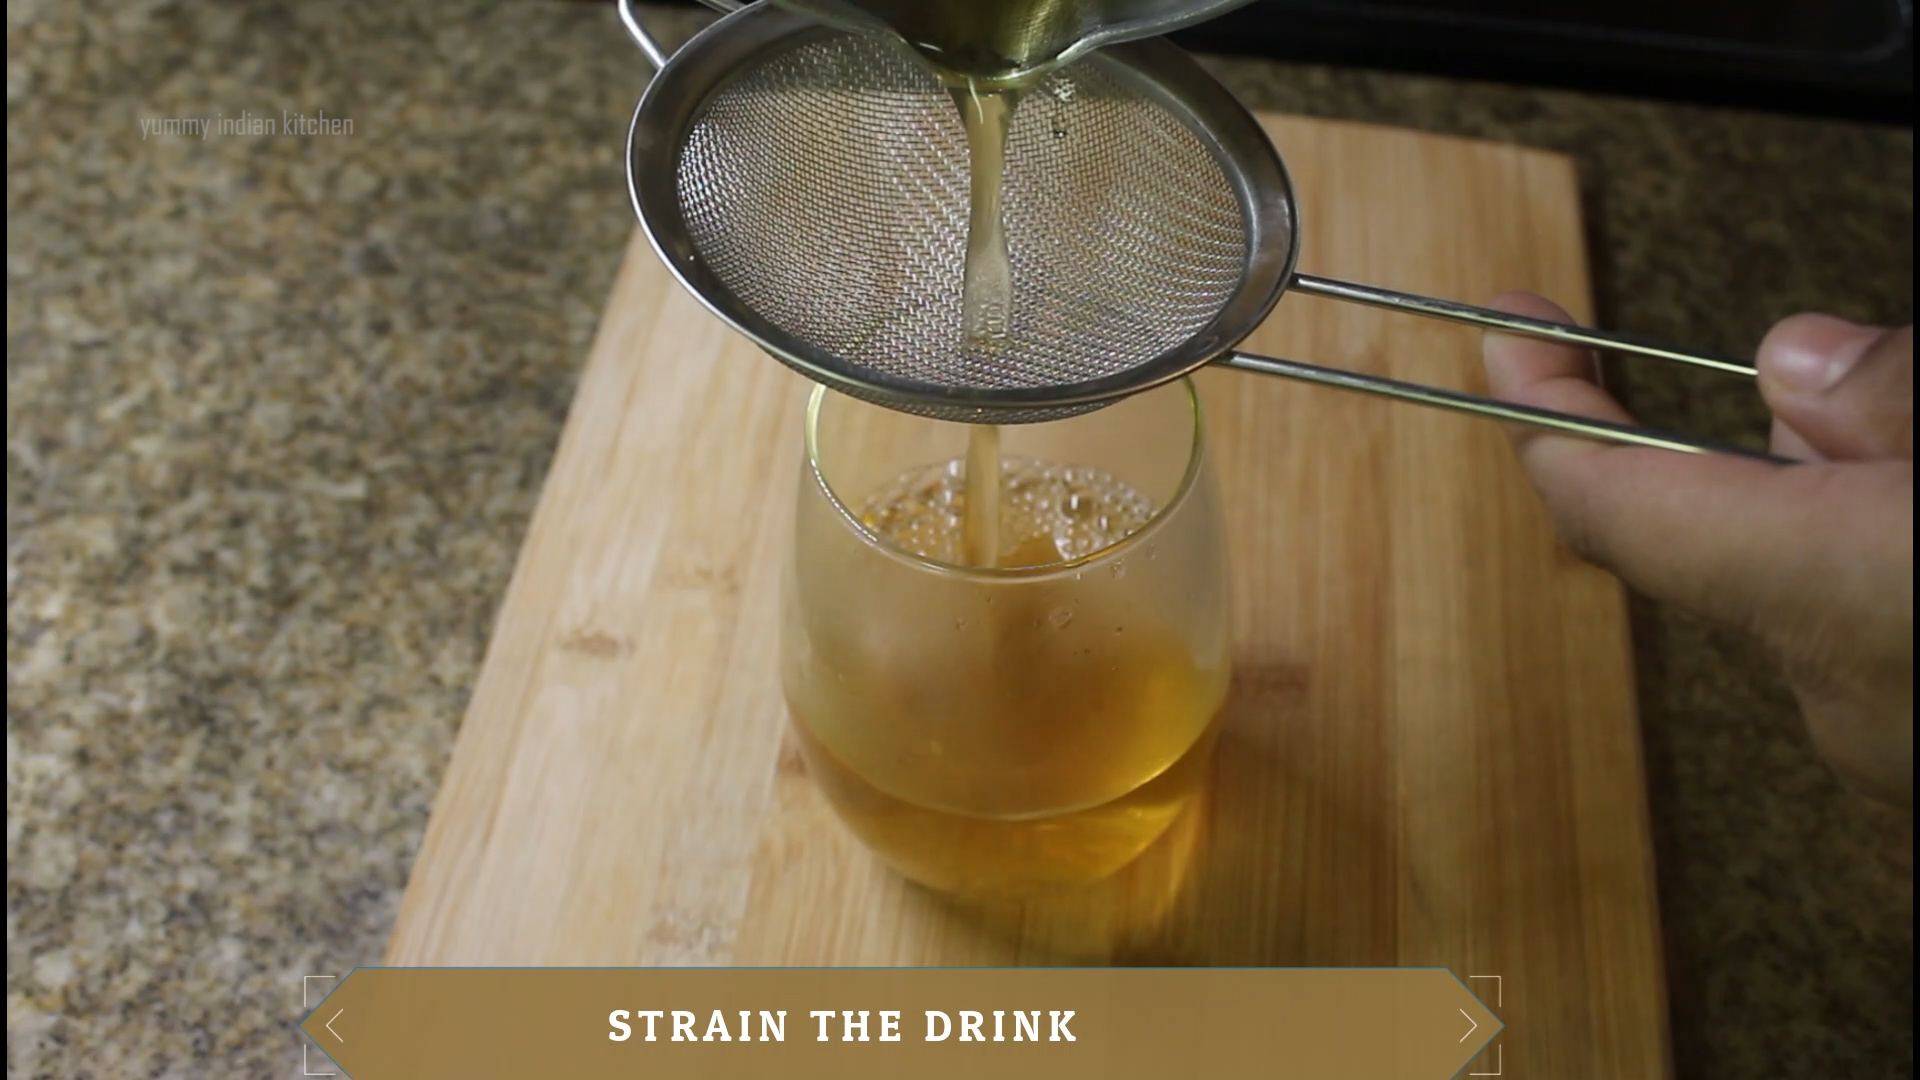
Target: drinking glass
point(997, 731)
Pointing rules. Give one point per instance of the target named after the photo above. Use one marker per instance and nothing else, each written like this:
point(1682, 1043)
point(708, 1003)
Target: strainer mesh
point(826, 188)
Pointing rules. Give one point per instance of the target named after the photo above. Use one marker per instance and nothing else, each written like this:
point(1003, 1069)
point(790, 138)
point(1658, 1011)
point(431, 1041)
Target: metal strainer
point(810, 187)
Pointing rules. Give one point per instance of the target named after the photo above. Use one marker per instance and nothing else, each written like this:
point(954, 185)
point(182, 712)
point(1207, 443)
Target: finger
point(1546, 376)
point(1742, 542)
point(1536, 371)
point(1845, 390)
point(1786, 442)
point(1704, 532)
point(1783, 441)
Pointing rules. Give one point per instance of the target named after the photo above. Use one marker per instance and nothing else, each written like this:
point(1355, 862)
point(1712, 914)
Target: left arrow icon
point(347, 1023)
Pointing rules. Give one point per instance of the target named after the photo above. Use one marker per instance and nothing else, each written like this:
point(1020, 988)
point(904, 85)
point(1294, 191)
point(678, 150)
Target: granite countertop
point(278, 409)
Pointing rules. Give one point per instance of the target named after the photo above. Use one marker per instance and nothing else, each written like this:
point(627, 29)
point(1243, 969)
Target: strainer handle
point(656, 55)
point(1435, 397)
point(1415, 304)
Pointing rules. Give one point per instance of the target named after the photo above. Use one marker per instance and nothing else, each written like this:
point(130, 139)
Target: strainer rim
point(1156, 68)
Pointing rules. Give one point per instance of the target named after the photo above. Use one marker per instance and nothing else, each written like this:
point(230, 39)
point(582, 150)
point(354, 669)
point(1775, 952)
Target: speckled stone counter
point(278, 410)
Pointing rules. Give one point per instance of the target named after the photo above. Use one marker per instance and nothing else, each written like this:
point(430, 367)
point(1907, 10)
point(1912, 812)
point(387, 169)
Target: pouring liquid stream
point(986, 301)
point(987, 53)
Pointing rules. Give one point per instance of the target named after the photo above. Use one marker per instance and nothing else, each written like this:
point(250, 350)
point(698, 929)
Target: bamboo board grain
point(1431, 755)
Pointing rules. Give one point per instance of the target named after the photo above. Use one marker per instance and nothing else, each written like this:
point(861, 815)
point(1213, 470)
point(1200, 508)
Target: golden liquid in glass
point(1049, 748)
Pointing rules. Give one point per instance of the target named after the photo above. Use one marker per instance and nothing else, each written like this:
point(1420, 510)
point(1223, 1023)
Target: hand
point(1814, 559)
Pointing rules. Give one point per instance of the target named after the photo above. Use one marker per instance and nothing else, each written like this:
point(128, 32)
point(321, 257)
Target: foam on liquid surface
point(1049, 512)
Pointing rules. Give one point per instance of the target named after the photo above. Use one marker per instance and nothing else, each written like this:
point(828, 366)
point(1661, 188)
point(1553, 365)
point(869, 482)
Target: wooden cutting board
point(1431, 755)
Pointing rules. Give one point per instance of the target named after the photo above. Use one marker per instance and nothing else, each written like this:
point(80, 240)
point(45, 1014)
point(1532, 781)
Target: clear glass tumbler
point(993, 731)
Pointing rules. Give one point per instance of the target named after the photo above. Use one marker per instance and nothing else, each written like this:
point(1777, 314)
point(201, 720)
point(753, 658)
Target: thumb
point(1739, 541)
point(1842, 392)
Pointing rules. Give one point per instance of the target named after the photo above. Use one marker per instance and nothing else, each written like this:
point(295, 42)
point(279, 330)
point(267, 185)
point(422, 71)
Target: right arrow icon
point(1471, 1030)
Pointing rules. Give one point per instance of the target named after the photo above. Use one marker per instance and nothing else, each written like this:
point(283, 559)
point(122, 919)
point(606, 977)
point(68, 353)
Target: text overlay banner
point(937, 1023)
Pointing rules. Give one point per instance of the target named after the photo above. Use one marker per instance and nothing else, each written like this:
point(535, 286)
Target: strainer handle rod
point(1435, 397)
point(1511, 323)
point(637, 30)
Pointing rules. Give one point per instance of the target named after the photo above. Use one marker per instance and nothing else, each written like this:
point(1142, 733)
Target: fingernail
point(1804, 371)
point(1805, 368)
